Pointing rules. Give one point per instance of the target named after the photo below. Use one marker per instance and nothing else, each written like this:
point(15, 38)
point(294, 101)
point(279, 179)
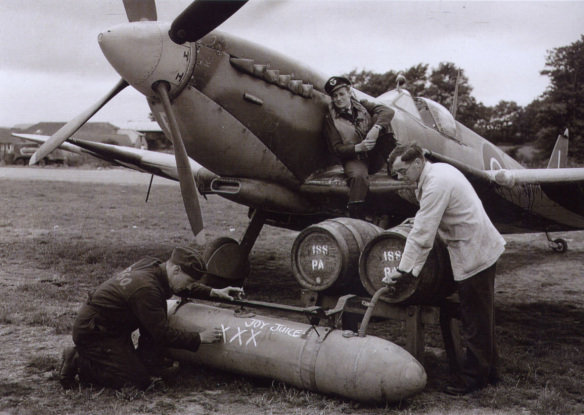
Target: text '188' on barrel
point(325, 256)
point(382, 256)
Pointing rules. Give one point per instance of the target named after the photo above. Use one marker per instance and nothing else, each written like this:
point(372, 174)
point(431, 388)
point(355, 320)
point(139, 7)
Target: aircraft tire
point(560, 245)
point(224, 257)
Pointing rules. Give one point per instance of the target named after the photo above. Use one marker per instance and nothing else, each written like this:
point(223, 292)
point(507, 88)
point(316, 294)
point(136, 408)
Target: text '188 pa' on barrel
point(325, 256)
point(382, 256)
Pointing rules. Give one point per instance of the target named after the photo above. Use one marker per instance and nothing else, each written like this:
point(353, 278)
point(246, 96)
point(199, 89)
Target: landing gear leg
point(258, 218)
point(227, 258)
point(558, 245)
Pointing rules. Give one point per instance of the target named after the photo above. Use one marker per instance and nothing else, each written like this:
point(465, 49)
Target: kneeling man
point(104, 353)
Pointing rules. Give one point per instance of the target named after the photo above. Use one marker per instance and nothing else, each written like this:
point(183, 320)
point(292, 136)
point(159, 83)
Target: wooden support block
point(415, 318)
point(450, 328)
point(415, 332)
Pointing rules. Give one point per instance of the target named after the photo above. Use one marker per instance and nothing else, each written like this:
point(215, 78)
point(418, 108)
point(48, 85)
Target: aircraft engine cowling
point(367, 369)
point(325, 256)
point(143, 54)
point(382, 255)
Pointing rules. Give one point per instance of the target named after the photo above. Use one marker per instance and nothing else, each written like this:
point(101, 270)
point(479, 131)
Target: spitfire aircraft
point(246, 124)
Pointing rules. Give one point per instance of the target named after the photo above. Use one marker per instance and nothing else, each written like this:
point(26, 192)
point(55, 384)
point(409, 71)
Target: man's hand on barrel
point(392, 278)
point(397, 280)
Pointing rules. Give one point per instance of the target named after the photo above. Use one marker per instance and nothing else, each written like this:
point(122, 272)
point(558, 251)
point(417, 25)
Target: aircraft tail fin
point(559, 157)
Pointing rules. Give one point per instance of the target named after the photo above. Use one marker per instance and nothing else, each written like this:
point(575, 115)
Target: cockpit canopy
point(430, 112)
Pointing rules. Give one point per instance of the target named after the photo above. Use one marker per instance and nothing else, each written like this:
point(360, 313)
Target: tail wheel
point(225, 257)
point(559, 245)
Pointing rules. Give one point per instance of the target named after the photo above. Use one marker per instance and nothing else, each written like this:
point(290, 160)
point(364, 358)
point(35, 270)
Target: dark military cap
point(190, 261)
point(335, 82)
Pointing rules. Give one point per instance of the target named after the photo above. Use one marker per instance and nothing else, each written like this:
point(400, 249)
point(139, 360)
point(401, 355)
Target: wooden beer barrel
point(325, 256)
point(382, 255)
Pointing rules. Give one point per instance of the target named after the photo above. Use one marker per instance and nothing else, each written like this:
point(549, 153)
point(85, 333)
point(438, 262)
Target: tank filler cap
point(243, 313)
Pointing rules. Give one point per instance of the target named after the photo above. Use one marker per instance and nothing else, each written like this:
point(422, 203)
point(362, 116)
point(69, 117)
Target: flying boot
point(68, 369)
point(356, 209)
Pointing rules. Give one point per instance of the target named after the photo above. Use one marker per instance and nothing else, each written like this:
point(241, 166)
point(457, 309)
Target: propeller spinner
point(144, 55)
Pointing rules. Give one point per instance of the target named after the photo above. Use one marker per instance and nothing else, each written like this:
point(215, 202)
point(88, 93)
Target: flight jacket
point(342, 131)
point(136, 298)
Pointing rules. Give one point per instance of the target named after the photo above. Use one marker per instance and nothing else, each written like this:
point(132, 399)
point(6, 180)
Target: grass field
point(60, 239)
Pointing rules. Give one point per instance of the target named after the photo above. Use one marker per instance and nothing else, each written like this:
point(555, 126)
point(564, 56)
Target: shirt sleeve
point(200, 291)
point(381, 115)
point(420, 240)
point(334, 140)
point(149, 307)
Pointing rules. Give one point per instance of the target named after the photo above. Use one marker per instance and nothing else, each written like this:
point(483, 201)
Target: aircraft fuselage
point(246, 112)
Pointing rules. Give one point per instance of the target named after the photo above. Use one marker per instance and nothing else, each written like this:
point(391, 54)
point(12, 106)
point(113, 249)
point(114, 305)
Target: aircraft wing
point(154, 162)
point(512, 177)
point(240, 190)
point(334, 181)
point(537, 176)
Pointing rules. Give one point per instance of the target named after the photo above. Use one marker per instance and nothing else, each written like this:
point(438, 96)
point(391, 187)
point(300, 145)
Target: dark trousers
point(112, 362)
point(477, 312)
point(358, 170)
point(377, 157)
point(357, 173)
point(107, 357)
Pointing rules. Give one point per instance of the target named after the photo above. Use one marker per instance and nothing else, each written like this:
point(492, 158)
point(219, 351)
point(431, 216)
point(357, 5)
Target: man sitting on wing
point(358, 133)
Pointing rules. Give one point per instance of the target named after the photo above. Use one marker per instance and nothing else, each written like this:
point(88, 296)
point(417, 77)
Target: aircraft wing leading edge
point(512, 177)
point(160, 164)
point(563, 185)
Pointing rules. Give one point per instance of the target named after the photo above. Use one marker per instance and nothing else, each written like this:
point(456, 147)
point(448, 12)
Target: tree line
point(537, 124)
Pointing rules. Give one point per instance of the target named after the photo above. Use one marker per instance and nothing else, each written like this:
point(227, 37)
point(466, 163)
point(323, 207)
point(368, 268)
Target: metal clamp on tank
point(335, 314)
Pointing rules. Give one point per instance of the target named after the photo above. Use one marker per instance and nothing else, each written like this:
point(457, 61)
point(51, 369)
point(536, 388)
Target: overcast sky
point(52, 68)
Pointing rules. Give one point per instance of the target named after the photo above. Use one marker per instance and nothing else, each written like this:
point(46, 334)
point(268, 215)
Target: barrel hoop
point(355, 233)
point(338, 238)
point(362, 234)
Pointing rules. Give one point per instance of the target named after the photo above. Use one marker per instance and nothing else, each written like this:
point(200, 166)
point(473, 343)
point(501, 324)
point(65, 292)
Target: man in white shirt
point(450, 207)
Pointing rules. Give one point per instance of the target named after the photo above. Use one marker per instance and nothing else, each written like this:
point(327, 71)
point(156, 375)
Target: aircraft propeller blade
point(188, 188)
point(201, 17)
point(75, 124)
point(140, 10)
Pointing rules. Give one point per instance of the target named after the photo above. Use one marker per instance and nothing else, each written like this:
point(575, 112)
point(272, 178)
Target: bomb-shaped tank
point(320, 359)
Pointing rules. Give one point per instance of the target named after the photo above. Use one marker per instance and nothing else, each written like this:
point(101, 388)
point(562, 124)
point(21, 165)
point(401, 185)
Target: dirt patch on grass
point(60, 239)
